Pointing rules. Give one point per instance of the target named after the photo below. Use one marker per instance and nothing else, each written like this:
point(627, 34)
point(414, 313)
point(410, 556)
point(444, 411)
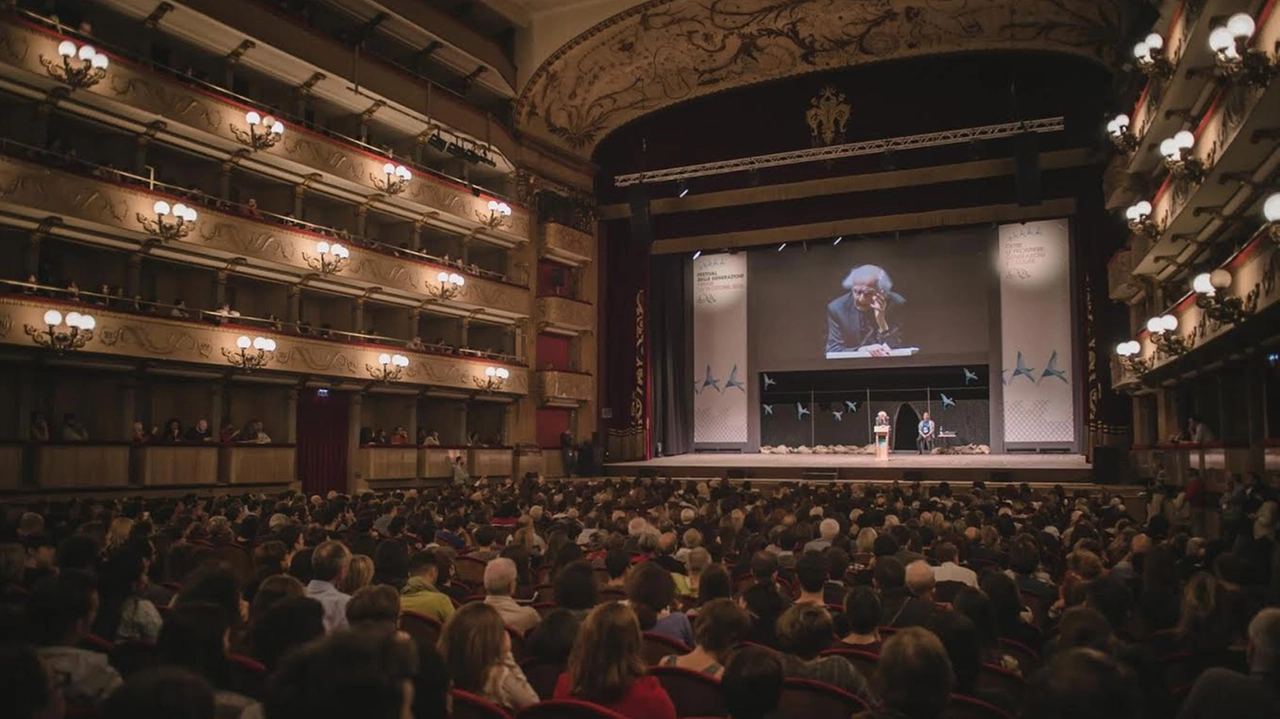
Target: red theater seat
point(568, 709)
point(473, 706)
point(693, 693)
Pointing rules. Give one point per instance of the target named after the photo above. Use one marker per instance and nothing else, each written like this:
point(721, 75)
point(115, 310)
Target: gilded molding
point(561, 240)
point(566, 385)
point(662, 52)
point(567, 313)
point(165, 341)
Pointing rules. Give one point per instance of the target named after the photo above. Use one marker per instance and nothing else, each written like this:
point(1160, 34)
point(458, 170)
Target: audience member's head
point(1083, 684)
point(376, 605)
point(888, 574)
point(359, 573)
point(347, 674)
point(714, 583)
point(330, 562)
point(920, 580)
point(805, 630)
point(196, 637)
point(473, 641)
point(721, 625)
point(216, 585)
point(500, 577)
point(651, 590)
point(1264, 642)
point(616, 563)
point(811, 571)
point(162, 693)
point(575, 586)
point(606, 658)
point(862, 610)
point(914, 676)
point(964, 650)
point(287, 623)
point(752, 683)
point(62, 608)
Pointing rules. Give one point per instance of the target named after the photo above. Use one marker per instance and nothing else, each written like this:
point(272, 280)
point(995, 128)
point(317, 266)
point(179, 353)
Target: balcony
point(147, 337)
point(560, 388)
point(79, 466)
point(31, 192)
point(132, 97)
point(567, 245)
point(563, 316)
point(1122, 284)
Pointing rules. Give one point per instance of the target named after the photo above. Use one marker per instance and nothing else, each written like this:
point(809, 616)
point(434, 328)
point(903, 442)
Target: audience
point(752, 683)
point(1220, 692)
point(862, 612)
point(1086, 684)
point(60, 612)
point(420, 593)
point(913, 678)
point(606, 667)
point(329, 565)
point(804, 631)
point(720, 626)
point(500, 581)
point(477, 653)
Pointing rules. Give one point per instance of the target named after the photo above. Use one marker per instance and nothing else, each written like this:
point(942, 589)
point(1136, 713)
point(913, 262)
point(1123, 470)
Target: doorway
point(323, 418)
point(906, 427)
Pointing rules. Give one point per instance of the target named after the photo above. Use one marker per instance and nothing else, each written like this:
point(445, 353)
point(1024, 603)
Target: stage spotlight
point(437, 142)
point(838, 240)
point(682, 188)
point(782, 247)
point(697, 254)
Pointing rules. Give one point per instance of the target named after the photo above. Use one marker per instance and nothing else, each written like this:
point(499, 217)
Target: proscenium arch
point(662, 52)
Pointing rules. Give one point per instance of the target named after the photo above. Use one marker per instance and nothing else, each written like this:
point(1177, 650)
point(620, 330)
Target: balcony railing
point(39, 192)
point(211, 113)
point(558, 387)
point(567, 245)
point(36, 466)
point(188, 341)
point(561, 315)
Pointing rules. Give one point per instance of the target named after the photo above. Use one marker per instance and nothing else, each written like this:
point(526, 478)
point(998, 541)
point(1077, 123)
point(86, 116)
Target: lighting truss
point(836, 152)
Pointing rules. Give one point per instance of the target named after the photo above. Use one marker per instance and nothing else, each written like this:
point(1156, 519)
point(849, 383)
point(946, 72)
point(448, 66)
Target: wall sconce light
point(1271, 211)
point(80, 67)
point(392, 368)
point(333, 258)
point(1118, 131)
point(245, 360)
point(1232, 56)
point(1208, 287)
point(448, 286)
point(1151, 62)
point(1164, 335)
point(495, 377)
point(1140, 222)
point(1130, 354)
point(60, 337)
point(499, 212)
point(264, 132)
point(396, 179)
point(1176, 153)
point(170, 223)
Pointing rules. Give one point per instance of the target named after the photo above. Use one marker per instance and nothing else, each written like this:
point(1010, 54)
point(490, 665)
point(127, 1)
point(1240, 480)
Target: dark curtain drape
point(322, 442)
point(671, 346)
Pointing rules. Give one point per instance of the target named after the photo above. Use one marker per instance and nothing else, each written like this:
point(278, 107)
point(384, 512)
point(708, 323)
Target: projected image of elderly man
point(861, 320)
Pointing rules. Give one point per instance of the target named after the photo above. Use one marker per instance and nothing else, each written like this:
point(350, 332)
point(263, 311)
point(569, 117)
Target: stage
point(907, 466)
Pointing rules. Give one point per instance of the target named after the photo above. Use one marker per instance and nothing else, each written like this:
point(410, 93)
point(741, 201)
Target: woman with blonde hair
point(866, 541)
point(359, 574)
point(117, 534)
point(476, 648)
point(606, 667)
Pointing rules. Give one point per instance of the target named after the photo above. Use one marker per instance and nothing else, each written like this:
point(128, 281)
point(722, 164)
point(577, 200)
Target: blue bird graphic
point(801, 411)
point(769, 382)
point(838, 415)
point(709, 381)
point(851, 406)
point(969, 376)
point(1022, 370)
point(733, 380)
point(768, 409)
point(1051, 369)
point(947, 401)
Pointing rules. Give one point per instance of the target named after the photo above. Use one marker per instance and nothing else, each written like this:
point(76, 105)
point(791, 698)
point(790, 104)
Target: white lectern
point(882, 442)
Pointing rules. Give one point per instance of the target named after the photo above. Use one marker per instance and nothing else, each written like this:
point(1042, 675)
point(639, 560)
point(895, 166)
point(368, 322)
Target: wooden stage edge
point(1003, 468)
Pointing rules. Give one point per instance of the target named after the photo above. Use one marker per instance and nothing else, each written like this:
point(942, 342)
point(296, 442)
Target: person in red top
point(607, 668)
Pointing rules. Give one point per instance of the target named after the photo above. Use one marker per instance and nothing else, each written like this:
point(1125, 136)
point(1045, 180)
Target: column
point(1256, 412)
point(411, 328)
point(133, 276)
point(460, 433)
point(357, 316)
point(219, 288)
point(40, 128)
point(411, 419)
point(510, 341)
point(299, 191)
point(140, 154)
point(31, 257)
point(466, 250)
point(128, 410)
point(353, 439)
point(291, 417)
point(415, 237)
point(294, 312)
point(362, 219)
point(464, 335)
point(216, 408)
point(224, 180)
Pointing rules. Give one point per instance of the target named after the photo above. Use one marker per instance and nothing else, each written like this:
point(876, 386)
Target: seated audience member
point(960, 638)
point(1007, 605)
point(616, 564)
point(163, 693)
point(391, 563)
point(476, 649)
point(697, 561)
point(664, 556)
point(575, 588)
point(899, 607)
point(420, 593)
point(499, 586)
point(195, 637)
point(834, 589)
point(714, 583)
point(651, 591)
point(60, 611)
point(123, 614)
point(359, 574)
point(949, 575)
point(289, 622)
point(862, 612)
point(29, 688)
point(1221, 692)
point(1085, 684)
point(828, 530)
point(913, 677)
point(752, 683)
point(484, 537)
point(370, 675)
point(555, 636)
point(1024, 560)
point(607, 668)
point(976, 607)
point(804, 631)
point(811, 572)
point(329, 565)
point(720, 626)
point(765, 602)
point(273, 590)
point(374, 607)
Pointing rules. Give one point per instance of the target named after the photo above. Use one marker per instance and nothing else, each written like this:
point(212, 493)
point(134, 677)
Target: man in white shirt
point(828, 530)
point(60, 611)
point(950, 571)
point(329, 564)
point(499, 585)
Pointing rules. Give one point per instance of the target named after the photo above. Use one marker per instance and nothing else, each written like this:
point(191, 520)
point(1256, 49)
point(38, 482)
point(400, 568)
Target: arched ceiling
point(662, 52)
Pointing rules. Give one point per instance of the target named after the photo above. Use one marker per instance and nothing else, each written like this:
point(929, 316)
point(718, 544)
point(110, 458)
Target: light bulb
point(259, 343)
point(490, 371)
point(180, 210)
point(87, 322)
point(1241, 25)
point(99, 62)
point(86, 53)
point(1222, 41)
point(443, 277)
point(1170, 322)
point(268, 121)
point(66, 48)
point(161, 207)
point(252, 117)
point(503, 373)
point(340, 252)
point(1155, 326)
point(243, 342)
point(1220, 279)
point(1201, 284)
point(1169, 149)
point(1185, 139)
point(403, 173)
point(73, 319)
point(388, 169)
point(1141, 51)
point(1271, 208)
point(277, 128)
point(1144, 208)
point(1153, 41)
point(322, 247)
point(400, 361)
point(191, 214)
point(504, 208)
point(269, 345)
point(456, 279)
point(493, 205)
point(1121, 349)
point(384, 359)
point(53, 318)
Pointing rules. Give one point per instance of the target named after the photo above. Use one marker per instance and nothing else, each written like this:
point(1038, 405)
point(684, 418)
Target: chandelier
point(1150, 60)
point(499, 212)
point(263, 132)
point(1176, 153)
point(495, 377)
point(1131, 358)
point(395, 179)
point(170, 223)
point(1121, 137)
point(59, 337)
point(391, 370)
point(448, 287)
point(245, 360)
point(1209, 287)
point(81, 67)
point(1140, 222)
point(333, 258)
point(1232, 56)
point(1164, 335)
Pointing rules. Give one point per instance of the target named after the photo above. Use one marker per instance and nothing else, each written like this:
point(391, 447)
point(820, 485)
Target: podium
point(882, 442)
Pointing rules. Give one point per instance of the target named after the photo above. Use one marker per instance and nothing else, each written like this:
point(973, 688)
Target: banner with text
point(720, 349)
point(1036, 333)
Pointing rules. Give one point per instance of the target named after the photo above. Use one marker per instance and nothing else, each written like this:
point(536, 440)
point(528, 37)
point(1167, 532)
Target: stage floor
point(903, 465)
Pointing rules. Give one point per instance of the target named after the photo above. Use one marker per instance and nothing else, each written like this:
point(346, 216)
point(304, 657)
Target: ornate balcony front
point(567, 245)
point(1122, 284)
point(38, 192)
point(563, 316)
point(147, 337)
point(565, 389)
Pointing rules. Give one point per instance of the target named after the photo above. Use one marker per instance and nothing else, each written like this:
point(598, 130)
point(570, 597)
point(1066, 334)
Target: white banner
point(720, 348)
point(1036, 332)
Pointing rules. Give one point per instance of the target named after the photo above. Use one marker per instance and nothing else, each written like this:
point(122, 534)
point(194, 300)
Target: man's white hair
point(869, 275)
point(829, 529)
point(499, 576)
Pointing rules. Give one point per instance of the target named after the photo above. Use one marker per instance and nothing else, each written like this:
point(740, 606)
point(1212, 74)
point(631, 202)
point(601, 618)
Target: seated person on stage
point(858, 320)
point(924, 440)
